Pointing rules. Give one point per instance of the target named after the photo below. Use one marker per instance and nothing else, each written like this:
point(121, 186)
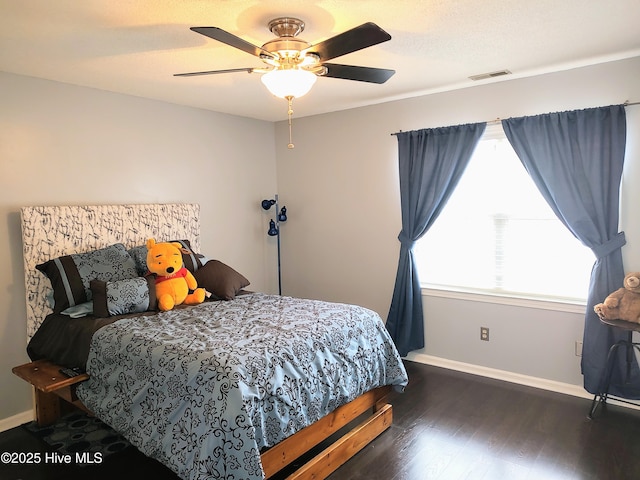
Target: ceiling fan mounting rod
point(286, 26)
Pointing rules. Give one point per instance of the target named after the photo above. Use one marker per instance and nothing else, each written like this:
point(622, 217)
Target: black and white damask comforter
point(203, 389)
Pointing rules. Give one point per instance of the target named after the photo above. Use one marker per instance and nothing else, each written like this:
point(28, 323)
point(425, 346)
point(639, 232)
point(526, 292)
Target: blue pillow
point(78, 311)
point(133, 295)
point(70, 275)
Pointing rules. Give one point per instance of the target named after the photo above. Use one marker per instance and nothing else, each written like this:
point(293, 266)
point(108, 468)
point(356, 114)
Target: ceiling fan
point(293, 65)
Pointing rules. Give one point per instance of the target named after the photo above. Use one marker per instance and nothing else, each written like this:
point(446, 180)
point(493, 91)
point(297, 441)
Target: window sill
point(542, 304)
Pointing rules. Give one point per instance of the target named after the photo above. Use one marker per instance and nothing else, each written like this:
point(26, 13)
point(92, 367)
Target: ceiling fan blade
point(361, 74)
point(357, 38)
point(232, 40)
point(213, 72)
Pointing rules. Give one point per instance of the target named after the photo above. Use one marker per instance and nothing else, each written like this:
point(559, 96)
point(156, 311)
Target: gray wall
point(340, 243)
point(61, 144)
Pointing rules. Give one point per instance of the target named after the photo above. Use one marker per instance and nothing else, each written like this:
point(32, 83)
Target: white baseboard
point(542, 383)
point(16, 420)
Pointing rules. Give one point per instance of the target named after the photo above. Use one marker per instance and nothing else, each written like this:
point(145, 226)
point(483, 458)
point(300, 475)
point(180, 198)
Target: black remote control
point(71, 372)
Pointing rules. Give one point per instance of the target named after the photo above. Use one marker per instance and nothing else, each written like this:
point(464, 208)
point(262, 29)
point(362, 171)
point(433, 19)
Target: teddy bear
point(624, 303)
point(173, 280)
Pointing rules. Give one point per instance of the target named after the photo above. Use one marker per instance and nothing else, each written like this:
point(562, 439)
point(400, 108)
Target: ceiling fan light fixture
point(294, 64)
point(291, 82)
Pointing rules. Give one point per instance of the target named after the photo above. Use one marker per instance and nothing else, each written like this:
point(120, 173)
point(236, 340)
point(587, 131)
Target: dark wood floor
point(450, 425)
point(447, 425)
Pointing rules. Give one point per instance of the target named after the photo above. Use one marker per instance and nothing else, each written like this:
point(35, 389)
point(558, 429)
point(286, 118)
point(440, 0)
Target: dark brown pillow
point(220, 279)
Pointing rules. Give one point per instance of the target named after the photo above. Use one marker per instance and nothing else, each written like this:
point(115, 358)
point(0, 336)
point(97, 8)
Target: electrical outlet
point(484, 333)
point(578, 348)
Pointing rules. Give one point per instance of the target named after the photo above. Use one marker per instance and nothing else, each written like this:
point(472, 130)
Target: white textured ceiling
point(135, 46)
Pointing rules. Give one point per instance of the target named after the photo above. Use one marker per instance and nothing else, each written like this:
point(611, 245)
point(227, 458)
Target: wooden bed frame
point(49, 232)
point(53, 391)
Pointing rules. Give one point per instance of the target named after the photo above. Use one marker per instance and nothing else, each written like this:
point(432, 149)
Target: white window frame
point(495, 131)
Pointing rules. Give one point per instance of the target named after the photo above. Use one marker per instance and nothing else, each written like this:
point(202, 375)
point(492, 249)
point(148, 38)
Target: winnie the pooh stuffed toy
point(624, 303)
point(173, 281)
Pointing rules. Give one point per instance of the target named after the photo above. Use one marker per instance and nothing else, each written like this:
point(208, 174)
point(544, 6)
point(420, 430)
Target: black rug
point(78, 432)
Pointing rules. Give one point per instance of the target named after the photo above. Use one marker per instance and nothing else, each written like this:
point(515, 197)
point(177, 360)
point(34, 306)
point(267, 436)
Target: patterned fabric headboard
point(49, 232)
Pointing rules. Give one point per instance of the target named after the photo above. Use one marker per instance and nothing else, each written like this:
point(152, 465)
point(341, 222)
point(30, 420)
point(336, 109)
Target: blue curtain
point(576, 160)
point(431, 162)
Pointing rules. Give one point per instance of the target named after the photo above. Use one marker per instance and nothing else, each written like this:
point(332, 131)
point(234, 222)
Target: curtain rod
point(498, 120)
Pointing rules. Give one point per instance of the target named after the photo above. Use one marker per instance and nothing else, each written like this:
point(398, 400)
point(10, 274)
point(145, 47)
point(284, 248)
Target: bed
point(237, 387)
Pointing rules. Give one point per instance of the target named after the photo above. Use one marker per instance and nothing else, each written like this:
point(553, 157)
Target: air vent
point(484, 76)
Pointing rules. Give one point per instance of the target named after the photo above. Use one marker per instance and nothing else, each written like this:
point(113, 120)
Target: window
point(498, 235)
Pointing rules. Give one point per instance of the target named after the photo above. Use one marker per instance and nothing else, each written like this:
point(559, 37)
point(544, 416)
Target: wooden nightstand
point(50, 387)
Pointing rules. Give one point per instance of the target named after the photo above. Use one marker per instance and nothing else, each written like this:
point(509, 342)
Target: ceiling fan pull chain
point(290, 113)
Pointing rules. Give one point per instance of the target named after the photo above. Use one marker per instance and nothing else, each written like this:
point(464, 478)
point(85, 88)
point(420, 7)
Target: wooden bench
point(50, 388)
